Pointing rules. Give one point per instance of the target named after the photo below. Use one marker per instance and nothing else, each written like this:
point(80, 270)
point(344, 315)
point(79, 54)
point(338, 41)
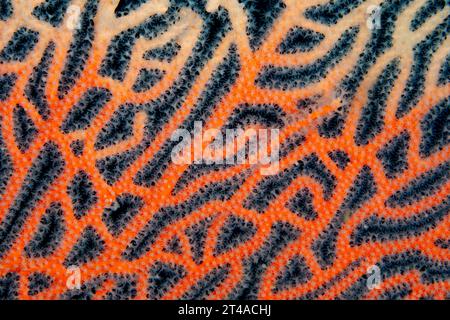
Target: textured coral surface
point(91, 92)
